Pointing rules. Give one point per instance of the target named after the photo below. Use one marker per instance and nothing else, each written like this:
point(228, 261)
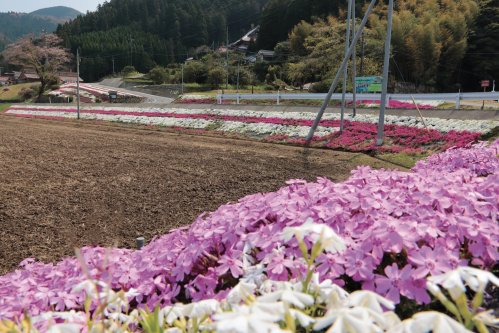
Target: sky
point(27, 6)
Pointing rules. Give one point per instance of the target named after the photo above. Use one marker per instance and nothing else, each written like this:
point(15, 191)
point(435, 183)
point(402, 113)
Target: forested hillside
point(60, 12)
point(436, 44)
point(164, 30)
point(14, 25)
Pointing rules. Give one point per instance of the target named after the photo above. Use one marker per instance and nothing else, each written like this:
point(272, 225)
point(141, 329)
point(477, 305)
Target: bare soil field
point(68, 184)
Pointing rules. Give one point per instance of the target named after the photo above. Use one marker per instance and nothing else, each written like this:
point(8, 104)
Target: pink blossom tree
point(46, 56)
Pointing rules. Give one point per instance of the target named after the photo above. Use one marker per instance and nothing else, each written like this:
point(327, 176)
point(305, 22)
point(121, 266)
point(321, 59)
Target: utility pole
point(113, 64)
point(354, 67)
point(362, 57)
point(78, 83)
point(238, 75)
point(227, 80)
point(345, 71)
point(182, 78)
point(338, 75)
point(131, 43)
point(381, 122)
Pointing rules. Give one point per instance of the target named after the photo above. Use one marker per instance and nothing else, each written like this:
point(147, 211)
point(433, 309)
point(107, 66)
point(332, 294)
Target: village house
point(68, 77)
point(13, 77)
point(4, 81)
point(28, 75)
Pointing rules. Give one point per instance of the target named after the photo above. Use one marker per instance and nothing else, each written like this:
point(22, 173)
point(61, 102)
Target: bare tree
point(46, 57)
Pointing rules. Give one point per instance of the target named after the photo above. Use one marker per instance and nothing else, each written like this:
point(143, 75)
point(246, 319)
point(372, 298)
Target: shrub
point(6, 89)
point(196, 72)
point(26, 92)
point(128, 70)
point(269, 87)
point(55, 87)
point(175, 80)
point(320, 87)
point(159, 75)
point(216, 76)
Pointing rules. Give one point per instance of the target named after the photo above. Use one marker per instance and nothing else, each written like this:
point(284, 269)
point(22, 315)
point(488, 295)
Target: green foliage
point(14, 25)
point(159, 28)
point(216, 76)
point(429, 38)
point(482, 58)
point(320, 87)
point(61, 12)
point(297, 37)
point(280, 16)
point(128, 70)
point(159, 75)
point(195, 72)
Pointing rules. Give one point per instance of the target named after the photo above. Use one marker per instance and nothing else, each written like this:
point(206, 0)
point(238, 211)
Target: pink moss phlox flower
point(415, 289)
point(393, 281)
point(358, 265)
point(235, 266)
point(427, 261)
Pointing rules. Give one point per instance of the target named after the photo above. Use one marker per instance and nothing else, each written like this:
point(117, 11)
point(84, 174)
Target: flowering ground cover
point(206, 99)
point(401, 133)
point(89, 93)
point(382, 231)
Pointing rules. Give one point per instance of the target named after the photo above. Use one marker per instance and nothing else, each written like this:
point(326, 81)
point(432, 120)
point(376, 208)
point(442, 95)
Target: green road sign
point(370, 83)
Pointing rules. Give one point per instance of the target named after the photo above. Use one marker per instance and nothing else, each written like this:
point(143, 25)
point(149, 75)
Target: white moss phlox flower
point(370, 300)
point(298, 299)
point(334, 243)
point(245, 319)
point(240, 292)
point(436, 322)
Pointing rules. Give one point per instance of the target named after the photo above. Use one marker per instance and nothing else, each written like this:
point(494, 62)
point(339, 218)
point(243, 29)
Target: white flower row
point(70, 90)
point(195, 96)
point(439, 124)
point(226, 126)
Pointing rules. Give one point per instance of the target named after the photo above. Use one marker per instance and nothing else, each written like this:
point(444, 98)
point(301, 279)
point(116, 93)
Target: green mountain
point(162, 31)
point(57, 12)
point(14, 25)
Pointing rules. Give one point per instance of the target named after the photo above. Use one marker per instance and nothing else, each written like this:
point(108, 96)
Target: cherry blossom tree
point(46, 56)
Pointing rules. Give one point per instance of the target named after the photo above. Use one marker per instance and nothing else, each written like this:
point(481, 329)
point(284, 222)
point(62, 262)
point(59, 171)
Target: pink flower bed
point(482, 159)
point(357, 136)
point(391, 104)
point(427, 222)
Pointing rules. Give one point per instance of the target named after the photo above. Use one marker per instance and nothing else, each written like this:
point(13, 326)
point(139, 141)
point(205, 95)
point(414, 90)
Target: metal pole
point(354, 67)
point(182, 79)
point(131, 42)
point(493, 90)
point(78, 83)
point(227, 80)
point(113, 64)
point(382, 106)
point(140, 242)
point(362, 57)
point(338, 75)
point(345, 72)
point(237, 75)
point(483, 102)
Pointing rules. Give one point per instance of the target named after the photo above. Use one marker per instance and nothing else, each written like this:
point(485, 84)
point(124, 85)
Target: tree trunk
point(43, 83)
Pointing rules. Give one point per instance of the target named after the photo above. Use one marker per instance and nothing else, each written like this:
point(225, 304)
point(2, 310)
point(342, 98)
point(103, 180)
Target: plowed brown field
point(66, 184)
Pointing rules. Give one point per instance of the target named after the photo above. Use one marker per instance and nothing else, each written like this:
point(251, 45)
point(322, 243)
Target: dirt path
point(66, 184)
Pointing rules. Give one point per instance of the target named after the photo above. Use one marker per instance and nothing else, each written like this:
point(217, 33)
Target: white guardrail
point(452, 97)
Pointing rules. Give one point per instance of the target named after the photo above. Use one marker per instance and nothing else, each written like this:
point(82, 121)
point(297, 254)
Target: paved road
point(114, 84)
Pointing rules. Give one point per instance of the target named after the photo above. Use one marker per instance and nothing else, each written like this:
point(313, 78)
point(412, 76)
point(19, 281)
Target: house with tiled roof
point(4, 81)
point(68, 77)
point(28, 75)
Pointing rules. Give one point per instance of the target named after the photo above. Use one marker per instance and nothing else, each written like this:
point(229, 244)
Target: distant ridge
point(57, 12)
